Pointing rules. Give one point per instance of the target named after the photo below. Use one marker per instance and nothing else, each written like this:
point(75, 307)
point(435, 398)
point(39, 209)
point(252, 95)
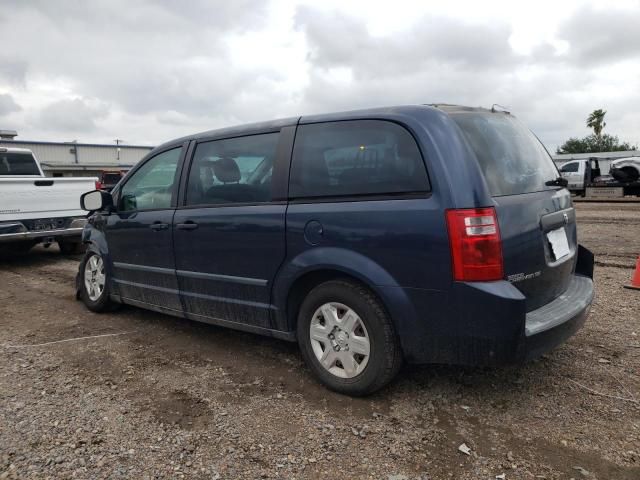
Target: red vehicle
point(109, 179)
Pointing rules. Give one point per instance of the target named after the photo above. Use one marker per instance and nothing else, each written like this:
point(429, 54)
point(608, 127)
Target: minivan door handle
point(188, 225)
point(558, 219)
point(157, 226)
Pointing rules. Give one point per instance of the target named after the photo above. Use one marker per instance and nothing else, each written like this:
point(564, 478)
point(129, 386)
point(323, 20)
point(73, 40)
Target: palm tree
point(596, 121)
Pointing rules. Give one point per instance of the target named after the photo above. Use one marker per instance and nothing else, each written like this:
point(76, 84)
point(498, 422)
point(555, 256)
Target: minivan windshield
point(511, 157)
point(12, 163)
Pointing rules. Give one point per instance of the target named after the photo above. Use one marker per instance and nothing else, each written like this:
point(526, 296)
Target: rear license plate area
point(43, 225)
point(559, 243)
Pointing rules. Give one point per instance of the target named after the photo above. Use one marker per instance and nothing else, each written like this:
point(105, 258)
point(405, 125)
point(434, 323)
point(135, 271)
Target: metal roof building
point(80, 159)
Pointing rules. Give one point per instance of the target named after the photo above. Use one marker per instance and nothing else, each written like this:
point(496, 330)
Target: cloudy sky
point(149, 71)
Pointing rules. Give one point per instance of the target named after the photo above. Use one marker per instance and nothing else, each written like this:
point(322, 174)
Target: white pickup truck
point(624, 175)
point(37, 209)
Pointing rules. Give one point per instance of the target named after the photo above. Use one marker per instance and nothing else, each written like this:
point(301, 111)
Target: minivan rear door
point(536, 218)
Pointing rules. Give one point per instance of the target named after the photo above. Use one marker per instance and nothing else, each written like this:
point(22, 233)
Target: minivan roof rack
point(450, 107)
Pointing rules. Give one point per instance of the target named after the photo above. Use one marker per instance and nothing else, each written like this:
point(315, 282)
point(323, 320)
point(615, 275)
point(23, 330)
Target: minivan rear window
point(512, 159)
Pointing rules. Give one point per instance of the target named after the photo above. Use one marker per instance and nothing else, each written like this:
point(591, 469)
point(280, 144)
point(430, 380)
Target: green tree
point(597, 141)
point(593, 144)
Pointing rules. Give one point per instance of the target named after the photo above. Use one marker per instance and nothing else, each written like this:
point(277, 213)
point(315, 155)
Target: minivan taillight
point(98, 185)
point(476, 248)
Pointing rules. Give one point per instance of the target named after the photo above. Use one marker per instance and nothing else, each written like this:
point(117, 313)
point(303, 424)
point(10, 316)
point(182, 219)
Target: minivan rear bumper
point(486, 323)
point(552, 324)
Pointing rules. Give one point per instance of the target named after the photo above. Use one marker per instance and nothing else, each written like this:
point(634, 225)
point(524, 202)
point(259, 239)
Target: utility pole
point(118, 142)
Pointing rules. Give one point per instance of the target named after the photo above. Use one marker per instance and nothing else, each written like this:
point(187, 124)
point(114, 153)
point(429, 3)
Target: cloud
point(71, 116)
point(12, 71)
point(442, 59)
point(338, 40)
point(8, 104)
point(150, 70)
point(602, 36)
point(141, 56)
point(436, 60)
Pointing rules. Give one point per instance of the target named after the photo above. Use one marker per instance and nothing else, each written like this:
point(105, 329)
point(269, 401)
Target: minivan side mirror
point(96, 200)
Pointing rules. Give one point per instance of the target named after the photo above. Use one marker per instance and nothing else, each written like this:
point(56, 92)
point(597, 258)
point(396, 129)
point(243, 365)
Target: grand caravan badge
point(519, 277)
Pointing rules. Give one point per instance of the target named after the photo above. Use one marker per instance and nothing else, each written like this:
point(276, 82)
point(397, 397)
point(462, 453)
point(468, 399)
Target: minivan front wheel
point(347, 338)
point(94, 285)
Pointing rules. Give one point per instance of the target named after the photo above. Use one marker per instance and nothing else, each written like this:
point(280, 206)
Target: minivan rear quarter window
point(356, 157)
point(512, 159)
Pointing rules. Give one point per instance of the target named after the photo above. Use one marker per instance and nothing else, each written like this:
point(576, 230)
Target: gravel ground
point(169, 398)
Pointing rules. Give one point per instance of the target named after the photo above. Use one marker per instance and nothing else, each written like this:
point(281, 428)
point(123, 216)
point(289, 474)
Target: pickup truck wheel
point(347, 338)
point(94, 283)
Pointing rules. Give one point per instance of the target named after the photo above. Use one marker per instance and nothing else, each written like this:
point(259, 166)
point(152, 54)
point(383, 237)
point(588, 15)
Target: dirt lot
point(169, 398)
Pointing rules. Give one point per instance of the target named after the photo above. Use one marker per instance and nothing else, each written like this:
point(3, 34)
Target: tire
point(346, 315)
point(631, 173)
point(70, 248)
point(94, 292)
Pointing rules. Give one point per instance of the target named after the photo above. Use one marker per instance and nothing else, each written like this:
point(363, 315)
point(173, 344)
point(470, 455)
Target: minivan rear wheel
point(347, 338)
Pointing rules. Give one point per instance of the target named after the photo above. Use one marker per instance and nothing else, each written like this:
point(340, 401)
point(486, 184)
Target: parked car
point(37, 209)
point(426, 234)
point(626, 169)
point(109, 179)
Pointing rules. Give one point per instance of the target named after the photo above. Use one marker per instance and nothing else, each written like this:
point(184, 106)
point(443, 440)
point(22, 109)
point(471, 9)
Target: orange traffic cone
point(635, 281)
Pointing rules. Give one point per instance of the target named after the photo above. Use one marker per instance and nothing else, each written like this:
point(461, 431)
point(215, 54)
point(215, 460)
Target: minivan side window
point(151, 186)
point(570, 167)
point(356, 157)
point(235, 170)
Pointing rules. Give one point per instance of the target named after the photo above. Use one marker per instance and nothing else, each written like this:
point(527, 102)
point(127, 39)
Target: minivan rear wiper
point(557, 182)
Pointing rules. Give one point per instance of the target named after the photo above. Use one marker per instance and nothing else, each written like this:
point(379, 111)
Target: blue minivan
point(426, 234)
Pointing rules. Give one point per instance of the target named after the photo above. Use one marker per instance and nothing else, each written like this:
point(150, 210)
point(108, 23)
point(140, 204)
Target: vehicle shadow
point(279, 365)
point(279, 361)
point(37, 256)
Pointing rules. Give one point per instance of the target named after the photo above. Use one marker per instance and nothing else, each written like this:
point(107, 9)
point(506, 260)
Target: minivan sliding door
point(229, 234)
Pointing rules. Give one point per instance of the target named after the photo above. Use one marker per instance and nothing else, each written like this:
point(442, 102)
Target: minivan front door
point(229, 236)
point(139, 234)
